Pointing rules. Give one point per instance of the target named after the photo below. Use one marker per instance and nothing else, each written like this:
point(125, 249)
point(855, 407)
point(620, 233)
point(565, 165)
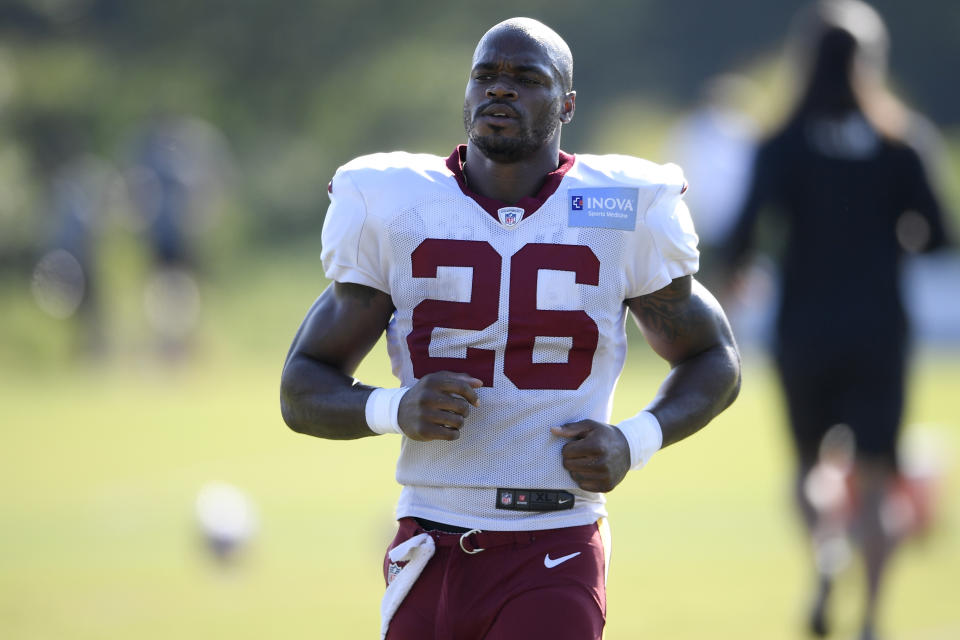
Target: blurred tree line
point(301, 86)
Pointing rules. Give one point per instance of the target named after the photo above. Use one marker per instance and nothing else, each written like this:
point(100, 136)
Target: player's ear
point(569, 106)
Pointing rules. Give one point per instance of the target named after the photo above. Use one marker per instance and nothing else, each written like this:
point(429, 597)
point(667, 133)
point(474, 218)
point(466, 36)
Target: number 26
point(525, 321)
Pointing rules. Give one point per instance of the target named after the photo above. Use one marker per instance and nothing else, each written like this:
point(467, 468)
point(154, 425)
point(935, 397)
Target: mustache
point(500, 105)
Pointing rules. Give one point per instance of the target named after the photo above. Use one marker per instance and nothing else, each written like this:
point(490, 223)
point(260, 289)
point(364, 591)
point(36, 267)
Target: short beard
point(510, 150)
point(505, 150)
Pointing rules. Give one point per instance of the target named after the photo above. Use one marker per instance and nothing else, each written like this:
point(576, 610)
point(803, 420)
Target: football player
point(502, 276)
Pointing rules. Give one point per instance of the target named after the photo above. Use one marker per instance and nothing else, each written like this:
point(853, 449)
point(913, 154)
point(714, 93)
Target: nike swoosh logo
point(550, 563)
point(563, 500)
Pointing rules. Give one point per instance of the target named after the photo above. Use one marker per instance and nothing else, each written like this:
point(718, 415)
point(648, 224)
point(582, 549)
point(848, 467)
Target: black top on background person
point(846, 178)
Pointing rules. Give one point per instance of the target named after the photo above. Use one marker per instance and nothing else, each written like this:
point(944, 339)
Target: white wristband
point(382, 408)
point(644, 436)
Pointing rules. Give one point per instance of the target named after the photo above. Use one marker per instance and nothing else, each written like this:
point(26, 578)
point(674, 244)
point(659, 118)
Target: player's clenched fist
point(436, 406)
point(597, 455)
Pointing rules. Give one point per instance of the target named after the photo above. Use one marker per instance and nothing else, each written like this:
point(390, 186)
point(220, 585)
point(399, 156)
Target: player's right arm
point(318, 394)
point(320, 397)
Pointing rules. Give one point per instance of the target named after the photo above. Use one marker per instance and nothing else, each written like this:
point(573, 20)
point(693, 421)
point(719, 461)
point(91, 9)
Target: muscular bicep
point(342, 326)
point(681, 320)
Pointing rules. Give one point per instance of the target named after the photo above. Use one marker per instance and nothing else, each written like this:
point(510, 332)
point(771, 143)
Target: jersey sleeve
point(669, 242)
point(351, 250)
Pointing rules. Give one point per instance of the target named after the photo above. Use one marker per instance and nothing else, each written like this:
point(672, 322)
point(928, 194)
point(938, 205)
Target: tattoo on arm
point(659, 312)
point(685, 326)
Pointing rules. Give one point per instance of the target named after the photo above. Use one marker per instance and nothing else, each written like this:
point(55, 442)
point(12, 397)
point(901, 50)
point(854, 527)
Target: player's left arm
point(685, 326)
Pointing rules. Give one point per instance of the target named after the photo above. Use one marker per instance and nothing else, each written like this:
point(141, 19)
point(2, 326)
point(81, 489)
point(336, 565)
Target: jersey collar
point(491, 205)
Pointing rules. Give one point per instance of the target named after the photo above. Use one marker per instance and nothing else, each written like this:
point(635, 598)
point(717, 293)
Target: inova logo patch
point(604, 207)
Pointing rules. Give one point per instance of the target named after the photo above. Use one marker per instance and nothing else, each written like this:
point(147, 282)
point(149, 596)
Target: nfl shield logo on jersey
point(510, 216)
point(506, 498)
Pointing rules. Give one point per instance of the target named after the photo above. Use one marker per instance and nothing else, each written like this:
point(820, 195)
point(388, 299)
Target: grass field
point(100, 465)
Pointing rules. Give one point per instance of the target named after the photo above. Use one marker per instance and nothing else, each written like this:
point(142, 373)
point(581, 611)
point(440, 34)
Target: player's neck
point(509, 182)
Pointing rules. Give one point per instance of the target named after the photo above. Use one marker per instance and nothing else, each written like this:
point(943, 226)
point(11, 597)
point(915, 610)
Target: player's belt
point(534, 500)
point(474, 541)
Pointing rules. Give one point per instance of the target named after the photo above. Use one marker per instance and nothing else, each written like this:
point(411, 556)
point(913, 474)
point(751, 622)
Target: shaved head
point(519, 92)
point(548, 39)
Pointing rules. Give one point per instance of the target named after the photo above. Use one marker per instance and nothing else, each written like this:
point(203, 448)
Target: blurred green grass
point(100, 465)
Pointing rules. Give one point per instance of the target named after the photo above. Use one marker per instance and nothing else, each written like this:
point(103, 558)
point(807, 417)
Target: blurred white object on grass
point(226, 518)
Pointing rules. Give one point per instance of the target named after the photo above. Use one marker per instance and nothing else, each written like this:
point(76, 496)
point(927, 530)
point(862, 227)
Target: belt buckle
point(464, 538)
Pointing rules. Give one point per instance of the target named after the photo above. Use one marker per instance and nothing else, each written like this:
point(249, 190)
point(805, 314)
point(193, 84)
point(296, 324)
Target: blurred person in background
point(847, 177)
point(502, 276)
point(65, 281)
point(176, 180)
point(715, 144)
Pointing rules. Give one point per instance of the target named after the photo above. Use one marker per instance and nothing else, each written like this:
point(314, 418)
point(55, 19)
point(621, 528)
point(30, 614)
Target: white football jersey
point(528, 298)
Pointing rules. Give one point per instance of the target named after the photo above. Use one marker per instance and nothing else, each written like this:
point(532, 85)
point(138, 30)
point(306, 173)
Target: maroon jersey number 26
point(525, 321)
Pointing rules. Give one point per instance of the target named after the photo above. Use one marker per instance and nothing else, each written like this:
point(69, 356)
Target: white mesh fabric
point(393, 204)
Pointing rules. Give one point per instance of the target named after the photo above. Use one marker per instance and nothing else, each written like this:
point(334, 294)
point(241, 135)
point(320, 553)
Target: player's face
point(515, 101)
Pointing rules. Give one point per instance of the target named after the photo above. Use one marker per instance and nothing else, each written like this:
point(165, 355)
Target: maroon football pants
point(532, 584)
